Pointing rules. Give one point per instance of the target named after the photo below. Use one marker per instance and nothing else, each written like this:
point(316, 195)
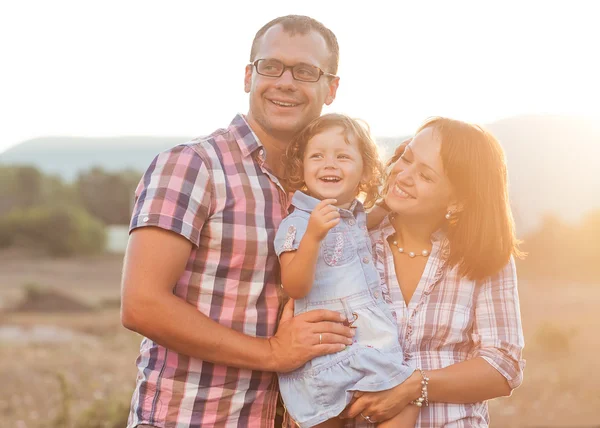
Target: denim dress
point(346, 281)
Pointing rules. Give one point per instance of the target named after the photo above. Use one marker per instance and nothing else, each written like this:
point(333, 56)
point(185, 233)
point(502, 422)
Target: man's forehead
point(310, 47)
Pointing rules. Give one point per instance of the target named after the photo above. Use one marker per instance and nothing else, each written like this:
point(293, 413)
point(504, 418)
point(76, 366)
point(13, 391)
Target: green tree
point(108, 196)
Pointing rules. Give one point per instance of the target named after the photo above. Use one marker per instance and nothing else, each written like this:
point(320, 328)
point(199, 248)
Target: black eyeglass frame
point(291, 68)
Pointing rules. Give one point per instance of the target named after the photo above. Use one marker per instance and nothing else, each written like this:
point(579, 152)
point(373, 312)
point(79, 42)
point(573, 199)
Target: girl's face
point(418, 185)
point(332, 167)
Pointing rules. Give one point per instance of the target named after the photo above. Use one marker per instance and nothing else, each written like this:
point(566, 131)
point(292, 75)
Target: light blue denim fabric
point(346, 281)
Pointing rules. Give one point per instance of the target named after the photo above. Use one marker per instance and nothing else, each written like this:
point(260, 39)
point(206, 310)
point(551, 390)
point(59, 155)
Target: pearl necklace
point(411, 254)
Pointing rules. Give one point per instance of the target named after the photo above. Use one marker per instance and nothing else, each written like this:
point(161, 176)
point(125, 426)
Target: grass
point(87, 383)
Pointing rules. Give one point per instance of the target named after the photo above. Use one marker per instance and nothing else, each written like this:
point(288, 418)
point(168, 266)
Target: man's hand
point(309, 335)
point(323, 218)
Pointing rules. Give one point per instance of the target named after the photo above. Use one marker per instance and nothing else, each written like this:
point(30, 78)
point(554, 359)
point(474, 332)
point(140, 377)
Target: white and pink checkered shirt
point(216, 192)
point(450, 319)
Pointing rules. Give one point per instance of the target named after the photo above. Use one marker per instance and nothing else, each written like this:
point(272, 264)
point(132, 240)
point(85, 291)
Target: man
point(200, 277)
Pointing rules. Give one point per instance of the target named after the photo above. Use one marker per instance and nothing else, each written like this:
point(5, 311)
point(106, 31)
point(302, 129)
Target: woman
point(446, 255)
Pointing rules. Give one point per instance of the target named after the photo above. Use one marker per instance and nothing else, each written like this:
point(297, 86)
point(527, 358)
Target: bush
point(6, 233)
point(61, 230)
point(554, 340)
point(111, 412)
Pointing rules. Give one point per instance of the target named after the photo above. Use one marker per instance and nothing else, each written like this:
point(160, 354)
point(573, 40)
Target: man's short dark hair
point(300, 24)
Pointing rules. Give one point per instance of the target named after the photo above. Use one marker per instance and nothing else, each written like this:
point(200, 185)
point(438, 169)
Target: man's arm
point(155, 260)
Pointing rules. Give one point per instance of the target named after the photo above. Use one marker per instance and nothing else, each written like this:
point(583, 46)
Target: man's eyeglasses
point(302, 72)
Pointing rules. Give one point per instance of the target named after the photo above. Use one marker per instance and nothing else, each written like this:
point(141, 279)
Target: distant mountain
point(553, 161)
point(67, 156)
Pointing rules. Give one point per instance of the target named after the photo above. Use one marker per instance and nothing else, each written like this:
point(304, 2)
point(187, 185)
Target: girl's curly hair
point(294, 156)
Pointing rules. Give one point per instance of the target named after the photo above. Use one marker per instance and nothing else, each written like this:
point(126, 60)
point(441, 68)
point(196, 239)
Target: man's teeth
point(279, 103)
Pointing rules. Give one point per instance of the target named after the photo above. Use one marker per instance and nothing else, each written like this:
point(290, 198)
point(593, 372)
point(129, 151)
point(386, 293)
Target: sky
point(116, 68)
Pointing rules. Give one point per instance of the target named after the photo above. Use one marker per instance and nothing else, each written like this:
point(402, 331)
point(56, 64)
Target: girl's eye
point(405, 160)
point(316, 155)
point(343, 157)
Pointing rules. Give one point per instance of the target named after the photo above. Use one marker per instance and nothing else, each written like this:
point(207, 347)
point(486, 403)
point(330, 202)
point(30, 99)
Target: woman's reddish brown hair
point(482, 234)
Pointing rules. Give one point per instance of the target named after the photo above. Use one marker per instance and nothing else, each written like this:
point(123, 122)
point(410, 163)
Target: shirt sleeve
point(290, 232)
point(497, 331)
point(174, 194)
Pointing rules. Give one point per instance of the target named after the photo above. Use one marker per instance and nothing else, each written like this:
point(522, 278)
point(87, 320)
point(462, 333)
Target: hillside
point(553, 161)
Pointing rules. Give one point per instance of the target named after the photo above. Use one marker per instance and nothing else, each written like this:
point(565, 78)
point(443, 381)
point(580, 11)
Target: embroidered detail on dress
point(339, 247)
point(290, 236)
point(338, 251)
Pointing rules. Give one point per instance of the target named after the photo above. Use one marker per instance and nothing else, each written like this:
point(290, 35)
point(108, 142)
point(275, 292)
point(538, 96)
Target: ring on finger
point(367, 418)
point(320, 338)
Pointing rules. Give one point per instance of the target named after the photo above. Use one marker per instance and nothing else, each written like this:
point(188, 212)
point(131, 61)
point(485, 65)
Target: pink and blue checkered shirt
point(216, 192)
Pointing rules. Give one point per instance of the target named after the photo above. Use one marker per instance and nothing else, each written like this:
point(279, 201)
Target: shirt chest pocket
point(338, 248)
point(449, 328)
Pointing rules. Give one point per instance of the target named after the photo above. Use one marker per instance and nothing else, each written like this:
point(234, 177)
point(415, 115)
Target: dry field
point(76, 370)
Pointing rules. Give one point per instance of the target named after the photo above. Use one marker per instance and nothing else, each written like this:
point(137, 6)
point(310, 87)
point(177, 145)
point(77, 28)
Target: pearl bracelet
point(423, 399)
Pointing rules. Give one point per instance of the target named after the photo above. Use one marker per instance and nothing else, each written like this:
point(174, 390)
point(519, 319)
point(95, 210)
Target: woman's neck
point(413, 232)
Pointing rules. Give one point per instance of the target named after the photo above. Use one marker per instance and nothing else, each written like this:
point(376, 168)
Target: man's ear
point(333, 86)
point(248, 78)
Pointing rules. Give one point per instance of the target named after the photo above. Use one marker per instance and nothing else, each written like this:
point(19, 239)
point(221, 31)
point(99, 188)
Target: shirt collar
point(245, 137)
point(307, 203)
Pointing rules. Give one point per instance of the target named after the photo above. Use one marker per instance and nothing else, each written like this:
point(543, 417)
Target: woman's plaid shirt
point(450, 319)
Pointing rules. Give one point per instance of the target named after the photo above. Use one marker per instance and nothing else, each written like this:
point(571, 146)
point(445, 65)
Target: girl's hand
point(383, 405)
point(323, 218)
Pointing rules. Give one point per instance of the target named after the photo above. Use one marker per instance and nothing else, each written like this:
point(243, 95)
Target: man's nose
point(286, 81)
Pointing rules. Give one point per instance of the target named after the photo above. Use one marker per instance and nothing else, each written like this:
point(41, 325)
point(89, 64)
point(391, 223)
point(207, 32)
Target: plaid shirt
point(450, 319)
point(216, 192)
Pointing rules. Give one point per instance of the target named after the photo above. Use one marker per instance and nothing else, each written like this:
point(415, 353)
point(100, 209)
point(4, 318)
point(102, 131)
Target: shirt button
point(376, 294)
point(146, 219)
point(366, 260)
point(351, 222)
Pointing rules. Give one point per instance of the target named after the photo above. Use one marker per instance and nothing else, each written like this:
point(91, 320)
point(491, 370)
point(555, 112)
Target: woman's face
point(418, 186)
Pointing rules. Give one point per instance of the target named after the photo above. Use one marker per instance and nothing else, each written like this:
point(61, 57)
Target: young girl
point(326, 262)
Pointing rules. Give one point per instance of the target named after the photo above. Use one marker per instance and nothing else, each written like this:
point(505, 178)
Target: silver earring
point(448, 215)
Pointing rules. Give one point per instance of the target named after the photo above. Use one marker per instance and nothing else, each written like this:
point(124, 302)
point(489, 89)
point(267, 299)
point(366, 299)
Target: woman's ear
point(455, 207)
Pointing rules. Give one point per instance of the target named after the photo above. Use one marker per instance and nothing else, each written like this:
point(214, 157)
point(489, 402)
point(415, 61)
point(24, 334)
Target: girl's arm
point(298, 267)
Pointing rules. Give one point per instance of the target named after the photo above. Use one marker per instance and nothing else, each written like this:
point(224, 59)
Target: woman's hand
point(383, 405)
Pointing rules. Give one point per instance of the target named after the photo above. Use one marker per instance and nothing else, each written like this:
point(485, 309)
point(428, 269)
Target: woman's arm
point(377, 214)
point(470, 381)
point(494, 368)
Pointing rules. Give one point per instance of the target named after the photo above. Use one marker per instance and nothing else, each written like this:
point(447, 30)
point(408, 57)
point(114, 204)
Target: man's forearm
point(470, 381)
point(177, 325)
